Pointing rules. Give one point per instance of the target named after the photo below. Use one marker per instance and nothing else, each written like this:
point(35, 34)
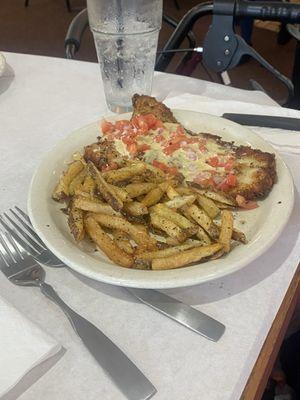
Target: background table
point(45, 100)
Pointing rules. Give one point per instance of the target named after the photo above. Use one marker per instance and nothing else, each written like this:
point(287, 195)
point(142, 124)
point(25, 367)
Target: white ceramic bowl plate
point(262, 226)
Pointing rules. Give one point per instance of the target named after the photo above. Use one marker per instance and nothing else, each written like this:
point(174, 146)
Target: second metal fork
point(21, 229)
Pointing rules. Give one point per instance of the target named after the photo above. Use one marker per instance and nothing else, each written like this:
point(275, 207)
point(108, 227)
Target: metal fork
point(21, 229)
point(21, 269)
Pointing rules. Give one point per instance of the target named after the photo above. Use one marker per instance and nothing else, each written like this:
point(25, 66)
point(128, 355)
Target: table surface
point(42, 100)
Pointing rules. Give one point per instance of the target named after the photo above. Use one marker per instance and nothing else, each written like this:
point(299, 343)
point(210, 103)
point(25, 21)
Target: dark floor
point(41, 27)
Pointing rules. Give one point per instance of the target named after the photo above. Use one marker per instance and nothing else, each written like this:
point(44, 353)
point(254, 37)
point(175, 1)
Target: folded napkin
point(282, 140)
point(22, 346)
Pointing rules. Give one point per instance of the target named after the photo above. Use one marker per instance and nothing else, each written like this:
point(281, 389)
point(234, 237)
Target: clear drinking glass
point(125, 34)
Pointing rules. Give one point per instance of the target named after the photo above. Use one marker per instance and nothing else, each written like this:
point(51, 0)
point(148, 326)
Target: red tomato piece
point(213, 161)
point(106, 126)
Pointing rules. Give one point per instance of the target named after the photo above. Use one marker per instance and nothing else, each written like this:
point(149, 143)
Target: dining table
point(42, 100)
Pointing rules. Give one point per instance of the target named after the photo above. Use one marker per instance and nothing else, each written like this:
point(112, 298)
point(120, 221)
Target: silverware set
point(22, 252)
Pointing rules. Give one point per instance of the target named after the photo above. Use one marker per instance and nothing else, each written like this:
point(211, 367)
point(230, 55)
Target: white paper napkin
point(282, 140)
point(22, 346)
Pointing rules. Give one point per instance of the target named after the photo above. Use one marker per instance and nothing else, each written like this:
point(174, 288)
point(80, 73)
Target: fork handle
point(128, 378)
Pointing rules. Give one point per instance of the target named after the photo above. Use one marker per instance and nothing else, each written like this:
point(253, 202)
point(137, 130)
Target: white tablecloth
point(45, 100)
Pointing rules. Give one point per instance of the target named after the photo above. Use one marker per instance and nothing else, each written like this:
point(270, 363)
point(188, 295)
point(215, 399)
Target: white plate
point(262, 226)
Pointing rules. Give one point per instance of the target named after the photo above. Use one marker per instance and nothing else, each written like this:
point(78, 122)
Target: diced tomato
point(143, 147)
point(153, 122)
point(140, 123)
point(171, 148)
point(204, 179)
point(159, 138)
point(247, 204)
point(128, 139)
point(231, 180)
point(213, 161)
point(106, 126)
point(228, 182)
point(164, 167)
point(123, 123)
point(228, 165)
point(132, 148)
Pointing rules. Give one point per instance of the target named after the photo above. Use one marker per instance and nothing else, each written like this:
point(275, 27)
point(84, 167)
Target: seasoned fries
point(140, 218)
point(106, 244)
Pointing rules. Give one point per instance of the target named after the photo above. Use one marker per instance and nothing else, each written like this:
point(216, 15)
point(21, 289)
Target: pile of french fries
point(142, 218)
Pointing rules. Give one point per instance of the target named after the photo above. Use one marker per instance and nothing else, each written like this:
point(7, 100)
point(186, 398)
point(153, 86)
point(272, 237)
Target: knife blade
point(266, 121)
point(180, 312)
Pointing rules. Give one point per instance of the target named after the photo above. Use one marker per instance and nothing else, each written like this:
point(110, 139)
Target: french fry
point(106, 244)
point(208, 206)
point(183, 223)
point(106, 192)
point(120, 192)
point(180, 201)
point(167, 226)
point(75, 222)
point(214, 196)
point(93, 205)
point(135, 208)
point(61, 190)
point(122, 241)
point(141, 238)
point(88, 184)
point(239, 236)
point(172, 193)
point(226, 229)
point(203, 220)
point(184, 190)
point(122, 174)
point(151, 255)
point(203, 236)
point(77, 182)
point(153, 197)
point(223, 206)
point(185, 257)
point(140, 188)
point(153, 174)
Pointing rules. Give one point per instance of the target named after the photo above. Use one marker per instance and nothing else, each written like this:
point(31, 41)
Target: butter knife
point(180, 312)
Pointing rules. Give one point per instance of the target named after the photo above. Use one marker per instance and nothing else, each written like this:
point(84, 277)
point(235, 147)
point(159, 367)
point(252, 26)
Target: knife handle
point(128, 378)
point(268, 121)
point(184, 314)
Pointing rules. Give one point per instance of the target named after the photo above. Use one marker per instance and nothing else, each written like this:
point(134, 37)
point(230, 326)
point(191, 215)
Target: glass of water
point(126, 35)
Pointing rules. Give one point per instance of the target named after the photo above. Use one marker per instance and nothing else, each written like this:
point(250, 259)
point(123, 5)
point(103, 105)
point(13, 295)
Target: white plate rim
point(187, 276)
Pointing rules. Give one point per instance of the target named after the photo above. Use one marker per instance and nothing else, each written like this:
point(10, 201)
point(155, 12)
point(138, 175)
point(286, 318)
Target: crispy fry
point(93, 205)
point(180, 201)
point(106, 244)
point(139, 188)
point(185, 257)
point(208, 206)
point(203, 220)
point(151, 255)
point(120, 192)
point(119, 175)
point(77, 182)
point(226, 229)
point(153, 197)
point(203, 236)
point(189, 228)
point(184, 190)
point(106, 192)
point(75, 222)
point(223, 206)
point(88, 184)
point(168, 226)
point(239, 235)
point(172, 193)
point(214, 196)
point(61, 191)
point(153, 174)
point(135, 208)
point(122, 241)
point(141, 238)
